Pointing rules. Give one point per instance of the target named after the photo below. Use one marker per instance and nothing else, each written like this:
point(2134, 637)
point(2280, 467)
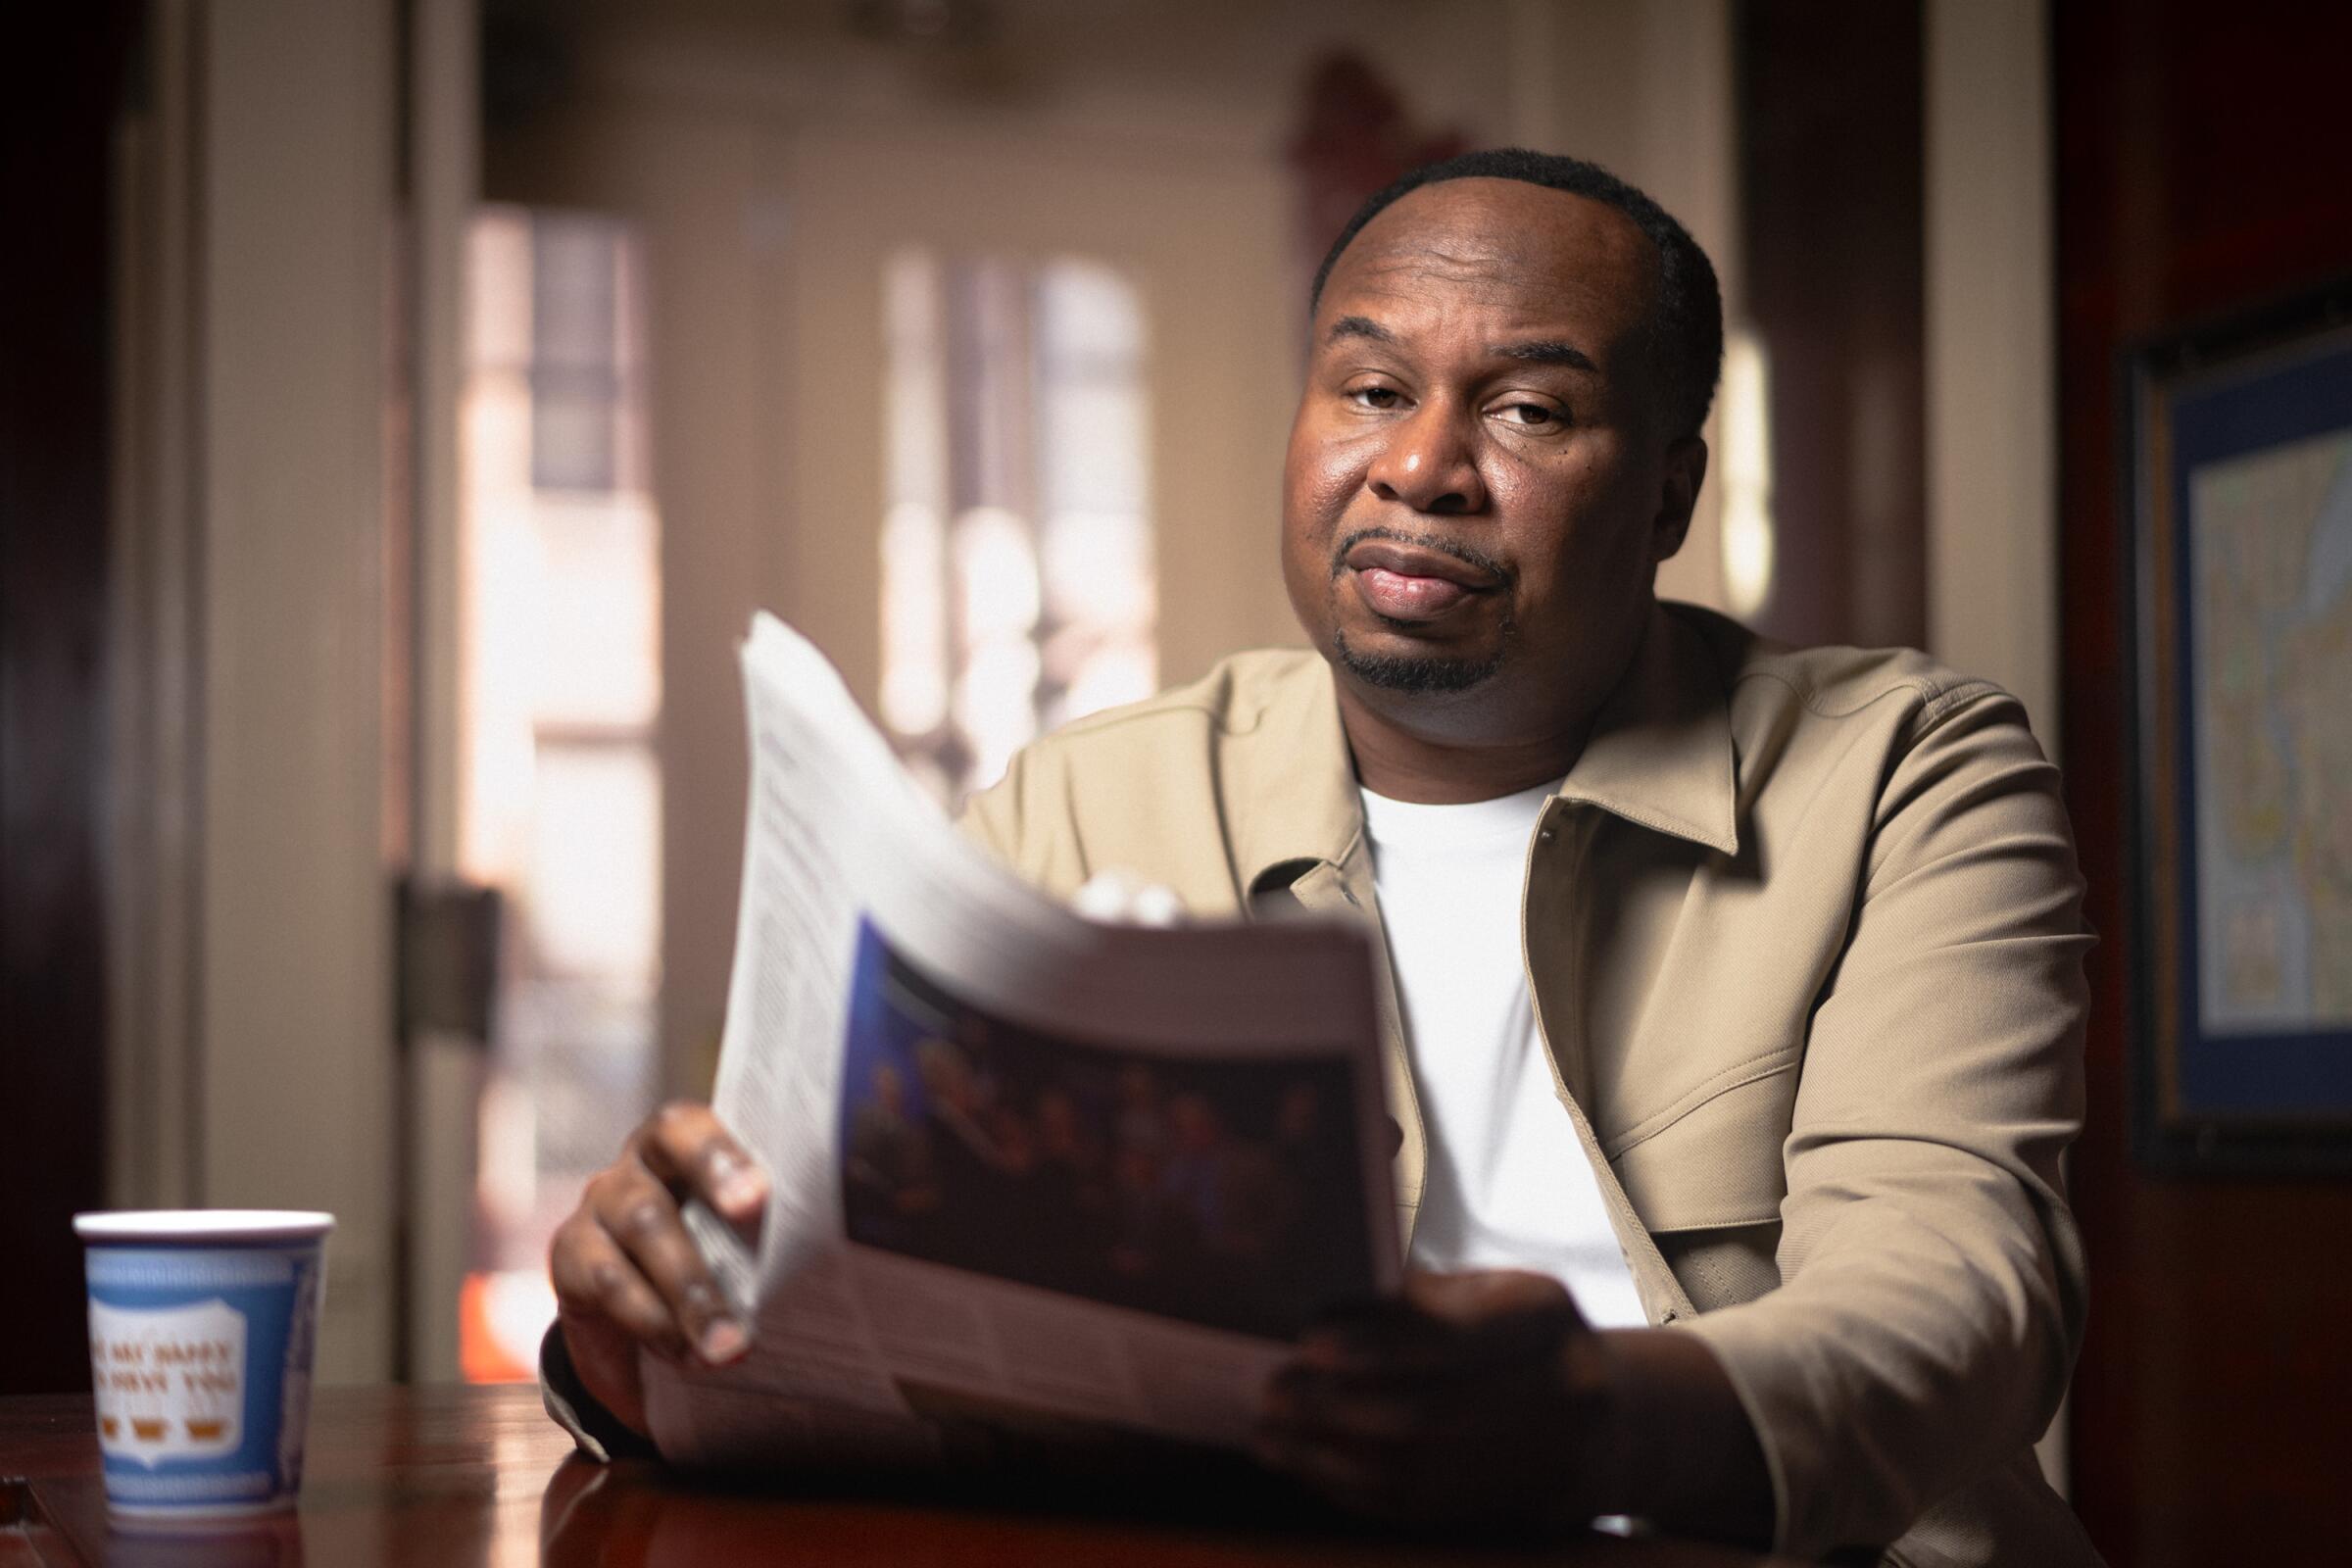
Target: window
point(1017, 581)
point(561, 804)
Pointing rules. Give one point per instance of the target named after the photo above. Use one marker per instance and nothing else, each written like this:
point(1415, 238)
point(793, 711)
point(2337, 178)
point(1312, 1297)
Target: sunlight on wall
point(1746, 426)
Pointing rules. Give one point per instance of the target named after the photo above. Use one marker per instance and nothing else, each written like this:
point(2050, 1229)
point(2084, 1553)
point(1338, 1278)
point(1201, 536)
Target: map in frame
point(2270, 540)
point(2240, 460)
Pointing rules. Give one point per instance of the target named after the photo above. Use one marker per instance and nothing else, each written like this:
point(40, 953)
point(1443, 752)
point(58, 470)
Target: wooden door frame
point(63, 90)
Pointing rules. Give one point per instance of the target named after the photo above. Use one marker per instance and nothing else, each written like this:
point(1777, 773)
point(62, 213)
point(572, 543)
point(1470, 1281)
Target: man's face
point(1480, 481)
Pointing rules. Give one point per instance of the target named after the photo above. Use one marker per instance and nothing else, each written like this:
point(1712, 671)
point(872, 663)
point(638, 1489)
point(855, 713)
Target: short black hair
point(1687, 315)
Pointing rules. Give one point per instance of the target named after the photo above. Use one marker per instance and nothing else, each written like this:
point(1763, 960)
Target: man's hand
point(1473, 1399)
point(627, 1275)
point(1483, 1399)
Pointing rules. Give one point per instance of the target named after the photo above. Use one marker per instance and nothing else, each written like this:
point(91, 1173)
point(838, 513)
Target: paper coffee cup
point(202, 1328)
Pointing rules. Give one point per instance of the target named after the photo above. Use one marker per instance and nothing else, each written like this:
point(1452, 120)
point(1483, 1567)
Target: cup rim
point(202, 1226)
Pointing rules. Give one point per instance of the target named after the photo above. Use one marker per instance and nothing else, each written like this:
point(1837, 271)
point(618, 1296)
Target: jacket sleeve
point(595, 1431)
point(1026, 822)
point(1932, 1282)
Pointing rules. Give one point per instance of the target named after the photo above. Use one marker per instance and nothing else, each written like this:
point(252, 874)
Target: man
point(1739, 987)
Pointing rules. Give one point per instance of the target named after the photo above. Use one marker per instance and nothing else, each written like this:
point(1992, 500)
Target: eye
point(1374, 395)
point(1532, 416)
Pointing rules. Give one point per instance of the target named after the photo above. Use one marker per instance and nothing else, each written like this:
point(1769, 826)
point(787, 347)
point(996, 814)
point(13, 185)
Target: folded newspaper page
point(1021, 1162)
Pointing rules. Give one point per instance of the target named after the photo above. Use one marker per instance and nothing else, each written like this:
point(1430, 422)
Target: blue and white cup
point(202, 1328)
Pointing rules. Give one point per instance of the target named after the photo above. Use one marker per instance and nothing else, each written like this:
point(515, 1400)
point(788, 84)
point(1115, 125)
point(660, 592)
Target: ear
point(1686, 468)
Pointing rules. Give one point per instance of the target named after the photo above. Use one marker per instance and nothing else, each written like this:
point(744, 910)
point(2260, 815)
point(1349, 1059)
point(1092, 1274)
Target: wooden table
point(453, 1477)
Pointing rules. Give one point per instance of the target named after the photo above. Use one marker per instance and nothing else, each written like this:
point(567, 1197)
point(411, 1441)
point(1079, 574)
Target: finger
point(1367, 1333)
point(639, 1215)
point(595, 1281)
point(1156, 904)
point(686, 1145)
point(1443, 1324)
point(1118, 896)
point(1104, 896)
point(1397, 1342)
point(1312, 1404)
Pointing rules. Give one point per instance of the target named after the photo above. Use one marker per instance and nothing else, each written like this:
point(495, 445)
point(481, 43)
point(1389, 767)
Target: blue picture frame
point(2241, 476)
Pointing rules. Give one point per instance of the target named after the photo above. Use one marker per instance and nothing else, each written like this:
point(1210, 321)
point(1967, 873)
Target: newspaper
point(1021, 1162)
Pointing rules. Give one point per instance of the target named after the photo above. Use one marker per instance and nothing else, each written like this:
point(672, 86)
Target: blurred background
point(408, 402)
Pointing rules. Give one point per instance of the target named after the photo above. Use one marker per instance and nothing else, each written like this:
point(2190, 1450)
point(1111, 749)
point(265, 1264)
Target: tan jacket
point(1803, 932)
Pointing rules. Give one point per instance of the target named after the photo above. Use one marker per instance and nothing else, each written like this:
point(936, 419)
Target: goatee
point(1418, 673)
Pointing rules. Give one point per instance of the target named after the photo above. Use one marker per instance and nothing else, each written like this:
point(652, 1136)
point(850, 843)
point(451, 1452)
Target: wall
point(1992, 351)
point(2202, 161)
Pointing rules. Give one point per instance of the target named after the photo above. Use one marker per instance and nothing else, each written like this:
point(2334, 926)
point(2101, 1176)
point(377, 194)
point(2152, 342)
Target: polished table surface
point(452, 1477)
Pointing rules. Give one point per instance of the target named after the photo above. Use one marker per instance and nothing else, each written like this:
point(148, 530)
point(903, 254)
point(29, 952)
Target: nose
point(1428, 465)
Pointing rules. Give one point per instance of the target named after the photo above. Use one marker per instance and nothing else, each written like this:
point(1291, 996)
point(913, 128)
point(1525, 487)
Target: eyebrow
point(1544, 351)
point(1359, 326)
point(1539, 351)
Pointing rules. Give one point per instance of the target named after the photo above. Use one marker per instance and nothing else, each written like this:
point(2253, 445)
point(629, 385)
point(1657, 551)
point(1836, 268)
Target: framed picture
point(2240, 475)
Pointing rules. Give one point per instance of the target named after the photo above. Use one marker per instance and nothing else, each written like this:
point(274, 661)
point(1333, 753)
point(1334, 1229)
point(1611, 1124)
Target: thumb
point(1117, 896)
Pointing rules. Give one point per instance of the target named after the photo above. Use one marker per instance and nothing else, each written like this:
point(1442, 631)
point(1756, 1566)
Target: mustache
point(1469, 554)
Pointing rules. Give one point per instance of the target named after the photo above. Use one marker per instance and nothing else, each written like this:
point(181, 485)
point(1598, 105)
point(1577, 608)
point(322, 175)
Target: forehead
point(1503, 249)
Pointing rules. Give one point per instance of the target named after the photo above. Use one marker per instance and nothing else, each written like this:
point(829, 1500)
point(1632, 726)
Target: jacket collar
point(1293, 803)
point(1661, 757)
point(1661, 753)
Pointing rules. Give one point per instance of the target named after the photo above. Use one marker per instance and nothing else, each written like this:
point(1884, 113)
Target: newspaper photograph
point(1023, 1164)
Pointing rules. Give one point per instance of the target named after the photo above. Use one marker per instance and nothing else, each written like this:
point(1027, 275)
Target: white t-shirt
point(1508, 1184)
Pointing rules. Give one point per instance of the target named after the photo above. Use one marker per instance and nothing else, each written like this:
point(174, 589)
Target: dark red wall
point(2204, 163)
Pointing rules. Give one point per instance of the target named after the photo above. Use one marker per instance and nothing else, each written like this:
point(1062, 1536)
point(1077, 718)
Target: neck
point(1405, 764)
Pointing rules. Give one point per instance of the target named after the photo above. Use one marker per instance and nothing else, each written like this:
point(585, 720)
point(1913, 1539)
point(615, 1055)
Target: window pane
point(592, 898)
point(575, 352)
point(600, 662)
point(562, 796)
point(1017, 413)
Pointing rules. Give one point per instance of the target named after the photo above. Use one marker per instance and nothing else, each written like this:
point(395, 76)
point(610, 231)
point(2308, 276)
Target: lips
point(1405, 582)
